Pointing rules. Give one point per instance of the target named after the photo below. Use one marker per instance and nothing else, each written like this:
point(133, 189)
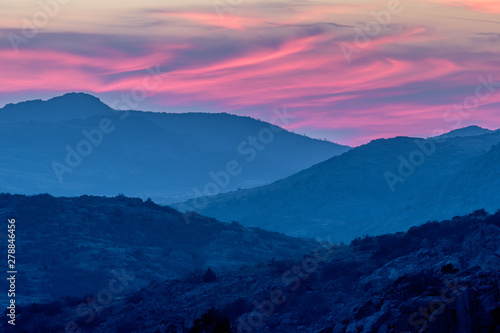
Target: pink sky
point(401, 76)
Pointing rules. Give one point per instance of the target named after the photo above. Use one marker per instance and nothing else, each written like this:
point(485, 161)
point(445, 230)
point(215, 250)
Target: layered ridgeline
point(385, 186)
point(75, 144)
point(438, 277)
point(75, 246)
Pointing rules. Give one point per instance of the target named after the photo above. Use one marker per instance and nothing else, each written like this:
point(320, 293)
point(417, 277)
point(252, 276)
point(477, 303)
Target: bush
point(235, 309)
point(53, 309)
point(211, 322)
point(209, 276)
point(135, 298)
point(479, 212)
point(449, 269)
point(420, 282)
point(280, 266)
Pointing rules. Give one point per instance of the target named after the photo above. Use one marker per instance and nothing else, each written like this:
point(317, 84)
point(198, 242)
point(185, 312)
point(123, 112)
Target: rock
point(352, 328)
point(383, 328)
point(369, 324)
point(376, 302)
point(338, 328)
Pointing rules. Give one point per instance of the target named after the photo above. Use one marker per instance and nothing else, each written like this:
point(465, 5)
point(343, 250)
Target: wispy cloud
point(266, 54)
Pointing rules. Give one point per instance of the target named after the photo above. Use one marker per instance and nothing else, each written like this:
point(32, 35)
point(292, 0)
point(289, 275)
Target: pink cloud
point(228, 21)
point(483, 6)
point(399, 82)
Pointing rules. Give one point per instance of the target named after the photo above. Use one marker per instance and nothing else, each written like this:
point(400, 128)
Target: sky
point(346, 71)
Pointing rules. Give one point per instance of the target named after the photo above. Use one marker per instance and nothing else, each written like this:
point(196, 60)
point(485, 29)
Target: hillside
point(350, 195)
point(466, 131)
point(438, 277)
point(67, 242)
point(74, 145)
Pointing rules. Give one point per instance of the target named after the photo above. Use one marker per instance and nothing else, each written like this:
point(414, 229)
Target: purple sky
point(347, 72)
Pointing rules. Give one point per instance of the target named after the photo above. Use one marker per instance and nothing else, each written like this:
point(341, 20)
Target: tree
point(209, 276)
point(449, 269)
point(211, 322)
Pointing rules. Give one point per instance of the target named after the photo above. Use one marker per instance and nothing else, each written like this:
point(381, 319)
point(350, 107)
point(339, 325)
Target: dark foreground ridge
point(75, 246)
point(437, 277)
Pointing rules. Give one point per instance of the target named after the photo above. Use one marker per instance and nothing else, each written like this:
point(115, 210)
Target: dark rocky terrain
point(73, 246)
point(439, 277)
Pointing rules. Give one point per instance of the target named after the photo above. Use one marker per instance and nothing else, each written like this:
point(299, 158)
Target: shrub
point(53, 309)
point(209, 276)
point(280, 266)
point(211, 322)
point(423, 281)
point(449, 269)
point(479, 212)
point(235, 309)
point(135, 298)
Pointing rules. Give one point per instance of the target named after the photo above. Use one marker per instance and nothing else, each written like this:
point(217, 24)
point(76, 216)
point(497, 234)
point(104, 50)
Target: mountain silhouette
point(466, 131)
point(371, 189)
point(152, 241)
point(75, 144)
point(68, 106)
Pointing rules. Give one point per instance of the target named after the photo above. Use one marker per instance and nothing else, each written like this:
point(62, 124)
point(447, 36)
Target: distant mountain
point(372, 189)
point(75, 144)
point(66, 107)
point(74, 246)
point(438, 277)
point(466, 131)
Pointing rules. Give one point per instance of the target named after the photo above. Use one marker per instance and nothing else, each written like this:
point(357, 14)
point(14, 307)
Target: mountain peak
point(68, 106)
point(75, 96)
point(473, 130)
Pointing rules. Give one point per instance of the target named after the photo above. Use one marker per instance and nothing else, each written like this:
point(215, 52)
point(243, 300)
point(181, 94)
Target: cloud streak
point(270, 54)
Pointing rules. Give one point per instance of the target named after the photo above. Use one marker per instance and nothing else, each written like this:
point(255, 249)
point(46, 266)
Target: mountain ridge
point(165, 156)
point(76, 106)
point(345, 192)
point(472, 130)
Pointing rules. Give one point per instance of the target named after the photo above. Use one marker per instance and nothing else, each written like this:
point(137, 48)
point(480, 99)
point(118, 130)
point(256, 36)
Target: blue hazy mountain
point(68, 106)
point(466, 131)
point(372, 189)
point(75, 144)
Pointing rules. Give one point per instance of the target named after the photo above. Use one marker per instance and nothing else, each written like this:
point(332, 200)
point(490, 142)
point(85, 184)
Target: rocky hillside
point(438, 277)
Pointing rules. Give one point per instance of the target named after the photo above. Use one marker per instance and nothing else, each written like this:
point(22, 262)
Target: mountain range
point(75, 144)
point(384, 186)
point(238, 168)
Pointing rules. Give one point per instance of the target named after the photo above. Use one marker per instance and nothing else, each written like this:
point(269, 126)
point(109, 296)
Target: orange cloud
point(484, 6)
point(228, 21)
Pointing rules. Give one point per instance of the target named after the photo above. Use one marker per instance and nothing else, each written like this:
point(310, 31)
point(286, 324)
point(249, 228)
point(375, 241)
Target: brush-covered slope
point(438, 277)
point(371, 189)
point(71, 246)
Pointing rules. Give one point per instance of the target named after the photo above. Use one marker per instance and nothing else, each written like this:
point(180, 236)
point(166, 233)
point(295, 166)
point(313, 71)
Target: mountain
point(73, 246)
point(466, 131)
point(438, 277)
point(74, 144)
point(371, 189)
point(68, 106)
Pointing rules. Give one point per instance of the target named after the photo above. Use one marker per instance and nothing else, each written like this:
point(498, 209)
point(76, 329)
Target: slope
point(350, 195)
